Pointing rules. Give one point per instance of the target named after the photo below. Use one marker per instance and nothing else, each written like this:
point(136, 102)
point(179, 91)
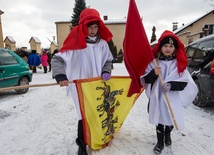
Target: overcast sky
point(23, 19)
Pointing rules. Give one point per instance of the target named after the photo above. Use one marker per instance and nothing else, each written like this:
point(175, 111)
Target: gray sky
point(23, 19)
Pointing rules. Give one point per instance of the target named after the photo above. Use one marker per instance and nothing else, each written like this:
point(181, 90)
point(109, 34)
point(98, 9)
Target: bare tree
point(212, 2)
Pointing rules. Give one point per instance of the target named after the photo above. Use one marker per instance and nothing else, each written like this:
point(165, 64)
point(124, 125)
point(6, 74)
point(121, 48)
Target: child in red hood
point(179, 86)
point(85, 54)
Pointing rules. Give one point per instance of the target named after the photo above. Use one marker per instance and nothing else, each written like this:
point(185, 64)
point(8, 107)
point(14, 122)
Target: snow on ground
point(44, 122)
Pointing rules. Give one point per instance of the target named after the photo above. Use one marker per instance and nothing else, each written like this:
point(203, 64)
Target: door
point(9, 69)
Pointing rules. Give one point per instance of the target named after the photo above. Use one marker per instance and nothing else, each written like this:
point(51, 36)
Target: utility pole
point(1, 32)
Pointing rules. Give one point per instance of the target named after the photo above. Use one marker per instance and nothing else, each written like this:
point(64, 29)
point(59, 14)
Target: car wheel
point(22, 81)
point(200, 98)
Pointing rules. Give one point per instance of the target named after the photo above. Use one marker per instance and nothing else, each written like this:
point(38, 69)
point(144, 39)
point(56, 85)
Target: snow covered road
point(43, 122)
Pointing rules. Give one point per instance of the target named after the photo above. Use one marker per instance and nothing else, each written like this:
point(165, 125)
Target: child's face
point(168, 49)
point(92, 30)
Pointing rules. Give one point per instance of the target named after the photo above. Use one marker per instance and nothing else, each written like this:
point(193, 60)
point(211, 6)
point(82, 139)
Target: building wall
point(195, 31)
point(53, 47)
point(10, 45)
point(35, 46)
point(118, 30)
point(187, 35)
point(62, 31)
point(24, 48)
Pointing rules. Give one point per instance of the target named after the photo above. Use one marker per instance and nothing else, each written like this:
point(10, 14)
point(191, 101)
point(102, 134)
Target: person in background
point(54, 52)
point(49, 60)
point(85, 54)
point(44, 60)
point(177, 84)
point(33, 60)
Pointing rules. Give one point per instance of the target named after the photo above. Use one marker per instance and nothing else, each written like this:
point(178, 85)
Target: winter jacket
point(34, 60)
point(44, 59)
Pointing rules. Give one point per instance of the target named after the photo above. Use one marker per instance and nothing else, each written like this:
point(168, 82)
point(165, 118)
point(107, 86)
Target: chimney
point(105, 17)
point(174, 26)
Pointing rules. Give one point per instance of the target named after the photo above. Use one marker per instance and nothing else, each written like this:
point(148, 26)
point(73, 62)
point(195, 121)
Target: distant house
point(62, 31)
point(117, 27)
point(195, 29)
point(10, 43)
point(35, 44)
point(53, 46)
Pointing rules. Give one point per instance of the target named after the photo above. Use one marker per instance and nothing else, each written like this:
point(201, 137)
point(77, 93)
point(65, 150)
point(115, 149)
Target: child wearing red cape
point(178, 85)
point(85, 54)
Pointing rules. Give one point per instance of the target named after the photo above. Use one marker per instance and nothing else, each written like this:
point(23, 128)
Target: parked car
point(200, 55)
point(14, 71)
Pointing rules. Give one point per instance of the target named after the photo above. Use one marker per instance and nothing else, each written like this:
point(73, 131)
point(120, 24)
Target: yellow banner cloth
point(104, 106)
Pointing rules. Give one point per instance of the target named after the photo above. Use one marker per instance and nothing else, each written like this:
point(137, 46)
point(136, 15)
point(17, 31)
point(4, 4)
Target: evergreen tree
point(112, 48)
point(79, 6)
point(120, 56)
point(153, 38)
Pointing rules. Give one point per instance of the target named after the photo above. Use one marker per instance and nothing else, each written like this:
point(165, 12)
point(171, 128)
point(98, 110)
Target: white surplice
point(158, 109)
point(85, 63)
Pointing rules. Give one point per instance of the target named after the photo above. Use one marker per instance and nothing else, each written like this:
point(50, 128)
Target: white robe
point(158, 109)
point(85, 63)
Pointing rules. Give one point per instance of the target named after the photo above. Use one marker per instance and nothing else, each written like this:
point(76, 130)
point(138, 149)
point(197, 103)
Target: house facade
point(35, 44)
point(117, 27)
point(187, 33)
point(196, 29)
point(53, 46)
point(10, 43)
point(62, 31)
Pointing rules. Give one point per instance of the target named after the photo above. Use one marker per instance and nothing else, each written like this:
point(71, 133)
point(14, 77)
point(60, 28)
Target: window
point(200, 54)
point(209, 28)
point(206, 45)
point(6, 58)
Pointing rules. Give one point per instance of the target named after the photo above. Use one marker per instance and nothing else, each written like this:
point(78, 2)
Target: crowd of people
point(43, 60)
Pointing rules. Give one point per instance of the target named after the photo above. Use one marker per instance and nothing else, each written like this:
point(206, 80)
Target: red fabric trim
point(212, 68)
point(77, 36)
point(180, 51)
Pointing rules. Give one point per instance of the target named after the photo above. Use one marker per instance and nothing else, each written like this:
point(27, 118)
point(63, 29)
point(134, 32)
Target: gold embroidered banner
point(104, 106)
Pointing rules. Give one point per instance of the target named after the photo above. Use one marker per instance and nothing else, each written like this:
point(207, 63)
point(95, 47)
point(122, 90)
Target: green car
point(14, 71)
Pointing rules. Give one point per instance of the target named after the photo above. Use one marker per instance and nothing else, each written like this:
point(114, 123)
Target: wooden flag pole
point(28, 86)
point(167, 100)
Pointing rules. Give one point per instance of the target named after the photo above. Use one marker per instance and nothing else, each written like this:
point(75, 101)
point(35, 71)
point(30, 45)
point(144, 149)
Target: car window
point(6, 58)
point(207, 45)
point(190, 52)
point(200, 54)
point(194, 45)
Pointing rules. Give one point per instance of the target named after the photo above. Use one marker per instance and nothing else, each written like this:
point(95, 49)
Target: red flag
point(137, 50)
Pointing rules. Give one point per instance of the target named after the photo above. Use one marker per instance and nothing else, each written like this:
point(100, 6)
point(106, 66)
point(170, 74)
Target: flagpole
point(28, 86)
point(167, 100)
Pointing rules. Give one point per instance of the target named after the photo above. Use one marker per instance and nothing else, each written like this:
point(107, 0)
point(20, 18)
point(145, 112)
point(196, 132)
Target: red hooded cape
point(137, 50)
point(77, 37)
point(180, 51)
